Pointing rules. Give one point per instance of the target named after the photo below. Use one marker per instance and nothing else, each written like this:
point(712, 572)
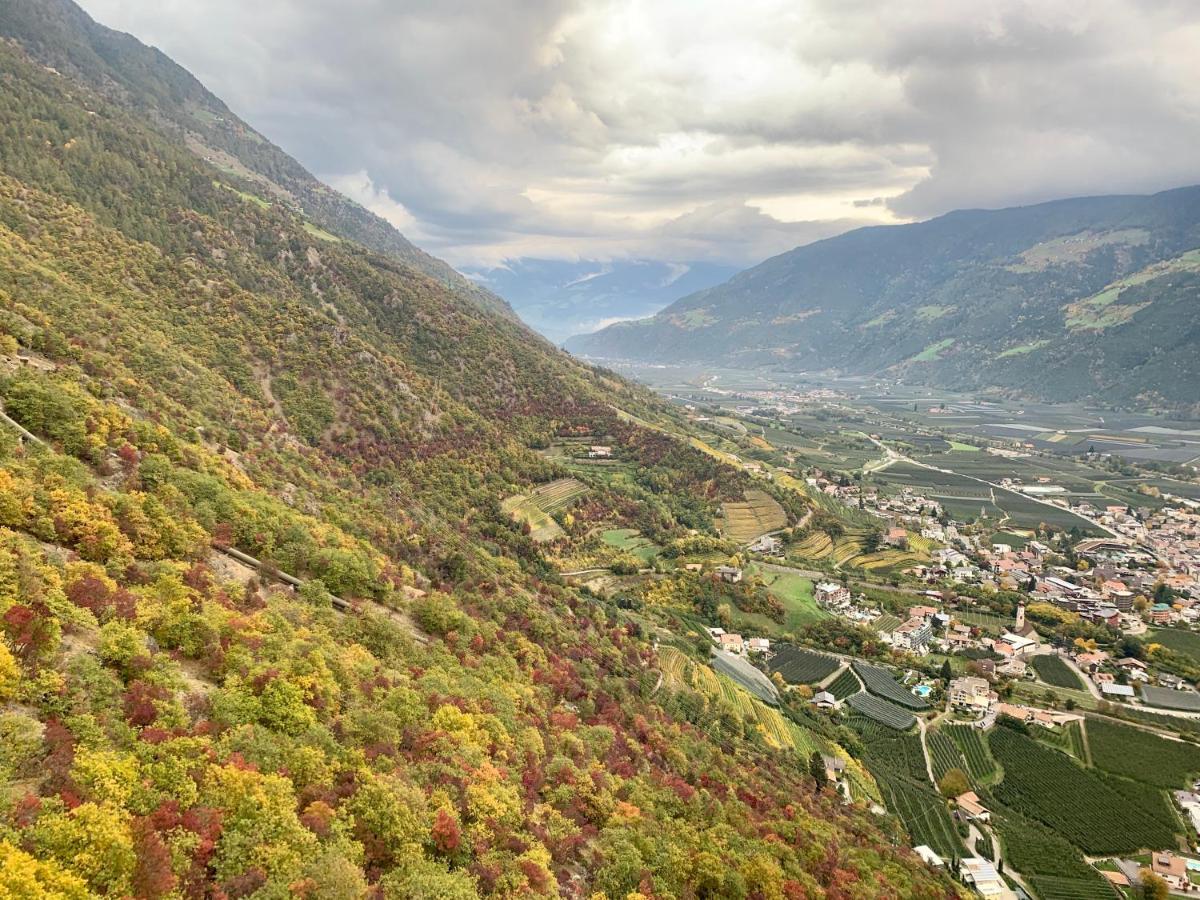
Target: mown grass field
point(795, 592)
point(630, 540)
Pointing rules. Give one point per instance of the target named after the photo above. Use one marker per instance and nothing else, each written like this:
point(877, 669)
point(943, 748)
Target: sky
point(695, 129)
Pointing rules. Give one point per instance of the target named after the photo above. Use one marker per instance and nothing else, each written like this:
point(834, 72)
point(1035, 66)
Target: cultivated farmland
point(803, 666)
point(1098, 814)
point(1051, 669)
point(944, 754)
point(1165, 698)
point(1141, 755)
point(537, 507)
point(881, 711)
point(980, 764)
point(757, 515)
point(880, 682)
point(845, 685)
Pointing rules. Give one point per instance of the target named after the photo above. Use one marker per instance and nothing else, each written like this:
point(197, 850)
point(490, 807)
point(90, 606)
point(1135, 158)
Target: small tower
point(1020, 617)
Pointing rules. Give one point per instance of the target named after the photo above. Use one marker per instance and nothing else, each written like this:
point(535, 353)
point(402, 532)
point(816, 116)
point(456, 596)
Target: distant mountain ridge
point(62, 36)
point(1090, 298)
point(563, 298)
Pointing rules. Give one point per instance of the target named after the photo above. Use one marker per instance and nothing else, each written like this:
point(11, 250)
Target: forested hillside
point(1093, 298)
point(402, 700)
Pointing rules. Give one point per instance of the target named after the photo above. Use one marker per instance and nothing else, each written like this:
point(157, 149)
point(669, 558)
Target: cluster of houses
point(738, 645)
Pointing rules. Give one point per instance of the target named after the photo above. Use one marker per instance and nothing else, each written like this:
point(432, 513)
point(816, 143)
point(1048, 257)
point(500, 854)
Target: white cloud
point(696, 129)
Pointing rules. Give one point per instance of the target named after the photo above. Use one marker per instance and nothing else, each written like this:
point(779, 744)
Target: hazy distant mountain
point(561, 299)
point(1086, 298)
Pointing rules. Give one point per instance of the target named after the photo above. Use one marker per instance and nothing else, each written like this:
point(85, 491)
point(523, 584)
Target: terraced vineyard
point(1053, 670)
point(882, 711)
point(536, 508)
point(880, 682)
point(970, 742)
point(757, 515)
point(922, 811)
point(558, 495)
point(799, 666)
point(886, 623)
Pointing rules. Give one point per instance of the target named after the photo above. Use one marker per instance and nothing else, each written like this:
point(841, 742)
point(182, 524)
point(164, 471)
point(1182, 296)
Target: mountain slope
point(60, 35)
point(1087, 298)
point(209, 375)
point(560, 299)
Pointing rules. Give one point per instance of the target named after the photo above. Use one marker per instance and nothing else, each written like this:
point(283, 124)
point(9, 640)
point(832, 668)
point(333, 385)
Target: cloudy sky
point(696, 129)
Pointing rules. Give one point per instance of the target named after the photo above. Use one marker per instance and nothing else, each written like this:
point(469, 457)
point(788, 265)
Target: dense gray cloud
point(696, 129)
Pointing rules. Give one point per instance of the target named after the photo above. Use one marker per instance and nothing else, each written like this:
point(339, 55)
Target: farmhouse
point(928, 857)
point(824, 700)
point(970, 809)
point(731, 643)
point(758, 645)
point(766, 544)
point(730, 574)
point(598, 452)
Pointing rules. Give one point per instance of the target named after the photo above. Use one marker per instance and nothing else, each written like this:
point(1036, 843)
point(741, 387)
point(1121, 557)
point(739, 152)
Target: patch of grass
point(321, 234)
point(630, 540)
point(1023, 349)
point(933, 352)
point(795, 592)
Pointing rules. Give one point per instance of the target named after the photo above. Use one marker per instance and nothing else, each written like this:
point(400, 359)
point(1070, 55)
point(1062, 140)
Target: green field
point(795, 592)
point(630, 540)
point(981, 766)
point(535, 508)
point(1051, 669)
point(1098, 814)
point(1141, 755)
point(1183, 642)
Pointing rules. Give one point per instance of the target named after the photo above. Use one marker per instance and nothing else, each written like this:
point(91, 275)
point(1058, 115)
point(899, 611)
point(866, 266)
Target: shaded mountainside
point(58, 34)
point(1087, 298)
point(204, 368)
point(561, 298)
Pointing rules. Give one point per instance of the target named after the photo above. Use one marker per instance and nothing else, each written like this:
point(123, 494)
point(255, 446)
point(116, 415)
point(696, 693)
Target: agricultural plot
point(558, 495)
point(538, 506)
point(1142, 755)
point(887, 748)
point(1067, 738)
point(944, 754)
point(880, 682)
point(989, 622)
point(630, 540)
point(795, 592)
point(803, 666)
point(886, 624)
point(757, 515)
point(845, 685)
point(969, 740)
point(750, 678)
point(922, 811)
point(1092, 811)
point(1165, 698)
point(1183, 642)
point(525, 511)
point(883, 712)
point(1051, 669)
point(1055, 868)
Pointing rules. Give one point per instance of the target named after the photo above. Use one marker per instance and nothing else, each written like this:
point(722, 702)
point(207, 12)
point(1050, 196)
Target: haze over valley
point(599, 450)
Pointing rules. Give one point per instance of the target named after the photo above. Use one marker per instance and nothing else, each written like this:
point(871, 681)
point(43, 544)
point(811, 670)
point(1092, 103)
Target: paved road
point(894, 456)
